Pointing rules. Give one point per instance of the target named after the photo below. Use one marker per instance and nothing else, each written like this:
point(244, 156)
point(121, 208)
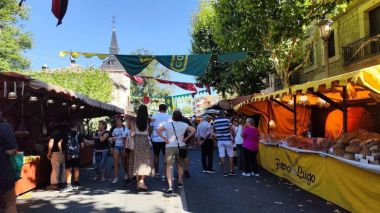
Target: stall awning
point(53, 91)
point(360, 84)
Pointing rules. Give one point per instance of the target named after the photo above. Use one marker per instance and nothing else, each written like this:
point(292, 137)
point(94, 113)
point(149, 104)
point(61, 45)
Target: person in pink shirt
point(250, 147)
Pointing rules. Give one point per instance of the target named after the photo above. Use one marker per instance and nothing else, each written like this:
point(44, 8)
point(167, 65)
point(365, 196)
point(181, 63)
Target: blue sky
point(160, 26)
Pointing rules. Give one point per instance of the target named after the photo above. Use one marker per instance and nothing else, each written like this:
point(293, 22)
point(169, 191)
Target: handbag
point(130, 143)
point(17, 162)
point(182, 152)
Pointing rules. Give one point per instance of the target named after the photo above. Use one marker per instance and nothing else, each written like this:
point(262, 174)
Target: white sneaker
point(246, 174)
point(252, 174)
point(257, 175)
point(114, 180)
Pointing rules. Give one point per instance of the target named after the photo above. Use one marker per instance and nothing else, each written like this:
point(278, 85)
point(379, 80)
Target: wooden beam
point(295, 113)
point(283, 105)
point(328, 100)
point(344, 109)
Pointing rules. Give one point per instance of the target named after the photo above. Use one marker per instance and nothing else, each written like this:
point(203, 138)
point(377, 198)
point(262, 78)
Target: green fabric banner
point(169, 103)
point(231, 57)
point(195, 65)
point(134, 64)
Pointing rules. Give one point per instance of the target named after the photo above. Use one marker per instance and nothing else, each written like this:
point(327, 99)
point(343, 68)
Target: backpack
point(73, 147)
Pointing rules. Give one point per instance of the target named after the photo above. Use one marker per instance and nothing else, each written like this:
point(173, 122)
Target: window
point(374, 21)
point(331, 47)
point(311, 56)
point(112, 63)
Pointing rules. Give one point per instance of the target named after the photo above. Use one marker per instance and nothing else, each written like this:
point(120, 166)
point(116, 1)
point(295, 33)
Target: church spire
point(114, 48)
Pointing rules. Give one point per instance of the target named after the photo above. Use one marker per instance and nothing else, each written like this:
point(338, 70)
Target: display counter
point(350, 186)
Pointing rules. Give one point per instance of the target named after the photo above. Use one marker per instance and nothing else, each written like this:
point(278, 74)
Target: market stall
point(30, 106)
point(321, 136)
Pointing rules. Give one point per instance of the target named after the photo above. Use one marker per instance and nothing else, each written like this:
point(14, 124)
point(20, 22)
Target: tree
point(13, 42)
point(150, 87)
point(278, 28)
point(241, 78)
point(91, 82)
point(187, 110)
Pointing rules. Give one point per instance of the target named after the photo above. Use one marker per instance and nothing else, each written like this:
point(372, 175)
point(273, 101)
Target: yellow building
point(352, 44)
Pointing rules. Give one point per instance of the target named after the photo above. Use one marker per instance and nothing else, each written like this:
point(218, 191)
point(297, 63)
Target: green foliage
point(91, 82)
point(244, 77)
point(271, 31)
point(13, 42)
point(187, 110)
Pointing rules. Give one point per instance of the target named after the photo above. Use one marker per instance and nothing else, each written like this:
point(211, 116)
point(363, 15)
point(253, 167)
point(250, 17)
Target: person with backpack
point(71, 145)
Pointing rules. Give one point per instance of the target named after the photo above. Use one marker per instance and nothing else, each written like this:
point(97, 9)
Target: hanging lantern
point(81, 107)
point(303, 100)
point(50, 101)
point(64, 104)
point(322, 103)
point(272, 125)
point(33, 99)
point(291, 102)
point(73, 106)
point(13, 95)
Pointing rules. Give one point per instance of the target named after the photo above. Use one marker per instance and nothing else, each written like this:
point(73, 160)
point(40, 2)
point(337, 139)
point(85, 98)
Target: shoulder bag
point(182, 152)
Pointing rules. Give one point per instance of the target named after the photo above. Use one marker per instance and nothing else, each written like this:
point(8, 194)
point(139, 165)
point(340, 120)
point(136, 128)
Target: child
point(70, 146)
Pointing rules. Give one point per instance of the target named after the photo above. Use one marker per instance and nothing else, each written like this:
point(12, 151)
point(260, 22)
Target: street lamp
point(325, 30)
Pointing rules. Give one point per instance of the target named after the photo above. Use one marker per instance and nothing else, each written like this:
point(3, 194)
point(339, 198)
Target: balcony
point(361, 49)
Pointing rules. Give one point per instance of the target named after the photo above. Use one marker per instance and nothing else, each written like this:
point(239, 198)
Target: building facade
point(352, 44)
point(121, 83)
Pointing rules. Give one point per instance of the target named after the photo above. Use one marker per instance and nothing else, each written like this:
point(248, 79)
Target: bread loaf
point(354, 149)
point(355, 142)
point(349, 156)
point(339, 151)
point(365, 150)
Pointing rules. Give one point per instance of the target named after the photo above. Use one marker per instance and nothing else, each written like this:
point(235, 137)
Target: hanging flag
point(195, 65)
point(146, 100)
point(169, 103)
point(183, 85)
point(136, 79)
point(231, 57)
point(59, 8)
point(134, 64)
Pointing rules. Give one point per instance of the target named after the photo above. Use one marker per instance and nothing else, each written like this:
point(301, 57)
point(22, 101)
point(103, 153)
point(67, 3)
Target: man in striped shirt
point(223, 132)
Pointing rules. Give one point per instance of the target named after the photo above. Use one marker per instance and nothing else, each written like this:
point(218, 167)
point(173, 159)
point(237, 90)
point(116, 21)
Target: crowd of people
point(136, 146)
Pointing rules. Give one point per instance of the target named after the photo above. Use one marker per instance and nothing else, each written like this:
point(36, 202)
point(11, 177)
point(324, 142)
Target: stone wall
point(348, 28)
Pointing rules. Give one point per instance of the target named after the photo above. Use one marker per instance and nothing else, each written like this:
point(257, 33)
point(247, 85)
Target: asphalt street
point(202, 193)
point(267, 193)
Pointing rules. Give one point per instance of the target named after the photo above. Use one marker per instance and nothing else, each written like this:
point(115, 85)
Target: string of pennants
point(183, 85)
point(193, 64)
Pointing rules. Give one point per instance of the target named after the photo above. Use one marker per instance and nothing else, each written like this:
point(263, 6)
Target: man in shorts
point(159, 144)
point(8, 147)
point(223, 132)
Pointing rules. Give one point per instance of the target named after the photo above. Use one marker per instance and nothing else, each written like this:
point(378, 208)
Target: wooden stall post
point(344, 109)
point(295, 113)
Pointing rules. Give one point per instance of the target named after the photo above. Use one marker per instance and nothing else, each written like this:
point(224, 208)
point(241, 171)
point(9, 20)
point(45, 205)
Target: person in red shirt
point(250, 148)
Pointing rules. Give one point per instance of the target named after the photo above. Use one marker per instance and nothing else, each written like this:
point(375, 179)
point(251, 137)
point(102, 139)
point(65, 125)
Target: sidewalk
point(103, 197)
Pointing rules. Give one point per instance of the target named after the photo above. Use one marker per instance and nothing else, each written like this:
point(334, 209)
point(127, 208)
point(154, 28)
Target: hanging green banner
point(134, 64)
point(169, 103)
point(195, 65)
point(231, 57)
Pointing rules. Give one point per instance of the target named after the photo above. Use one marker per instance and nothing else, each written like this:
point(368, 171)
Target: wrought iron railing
point(361, 49)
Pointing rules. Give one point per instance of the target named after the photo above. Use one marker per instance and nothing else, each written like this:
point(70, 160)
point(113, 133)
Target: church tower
point(121, 83)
